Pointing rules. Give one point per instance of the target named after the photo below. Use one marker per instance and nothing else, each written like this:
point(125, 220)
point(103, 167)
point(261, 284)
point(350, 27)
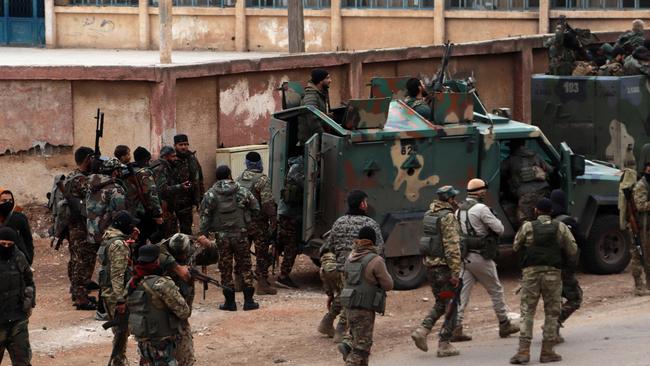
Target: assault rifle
point(451, 312)
point(121, 324)
point(633, 219)
point(276, 249)
point(440, 78)
point(200, 276)
point(99, 133)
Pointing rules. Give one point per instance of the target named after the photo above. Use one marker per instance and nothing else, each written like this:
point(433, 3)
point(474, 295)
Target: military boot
point(445, 349)
point(339, 332)
point(326, 325)
point(523, 354)
point(249, 303)
point(419, 336)
point(458, 336)
point(547, 354)
point(506, 328)
point(263, 287)
point(640, 287)
point(229, 304)
point(345, 350)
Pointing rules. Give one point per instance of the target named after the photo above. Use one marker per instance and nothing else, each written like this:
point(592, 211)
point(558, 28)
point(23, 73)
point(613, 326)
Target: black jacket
point(18, 221)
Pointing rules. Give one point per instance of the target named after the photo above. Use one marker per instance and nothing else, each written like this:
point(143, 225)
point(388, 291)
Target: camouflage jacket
point(630, 40)
point(345, 231)
point(511, 171)
point(142, 194)
point(209, 205)
point(296, 175)
point(261, 189)
point(632, 66)
point(566, 240)
point(118, 258)
point(168, 186)
point(640, 193)
point(188, 169)
point(309, 124)
point(612, 68)
point(450, 230)
point(420, 106)
point(75, 186)
point(167, 291)
point(104, 195)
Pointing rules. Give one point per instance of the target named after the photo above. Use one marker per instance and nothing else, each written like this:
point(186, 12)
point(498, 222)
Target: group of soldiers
point(569, 53)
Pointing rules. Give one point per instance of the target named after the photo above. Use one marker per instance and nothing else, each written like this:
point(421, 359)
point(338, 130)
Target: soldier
point(638, 63)
point(367, 280)
point(18, 295)
point(82, 255)
point(226, 211)
point(168, 188)
point(114, 256)
point(541, 244)
point(634, 38)
point(105, 195)
point(16, 220)
point(561, 57)
point(188, 171)
point(443, 262)
point(290, 219)
point(584, 68)
point(526, 174)
point(316, 95)
point(178, 252)
point(123, 154)
point(571, 290)
point(641, 194)
point(142, 196)
point(264, 224)
point(345, 231)
point(156, 309)
point(614, 66)
point(415, 98)
point(480, 231)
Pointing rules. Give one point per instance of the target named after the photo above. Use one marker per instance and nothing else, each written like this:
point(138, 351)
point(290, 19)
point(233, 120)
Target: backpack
point(58, 206)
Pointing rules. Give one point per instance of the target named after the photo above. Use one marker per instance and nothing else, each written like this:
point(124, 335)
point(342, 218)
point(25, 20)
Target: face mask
point(6, 207)
point(6, 253)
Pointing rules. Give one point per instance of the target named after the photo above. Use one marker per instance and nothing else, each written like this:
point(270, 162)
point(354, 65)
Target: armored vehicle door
point(312, 151)
point(277, 156)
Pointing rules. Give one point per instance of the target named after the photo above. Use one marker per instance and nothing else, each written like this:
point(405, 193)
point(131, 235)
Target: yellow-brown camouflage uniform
point(542, 280)
point(640, 193)
point(441, 270)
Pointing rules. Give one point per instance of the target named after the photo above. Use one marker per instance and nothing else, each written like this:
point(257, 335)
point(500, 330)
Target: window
point(105, 2)
point(199, 3)
point(492, 4)
point(389, 4)
point(307, 4)
point(600, 4)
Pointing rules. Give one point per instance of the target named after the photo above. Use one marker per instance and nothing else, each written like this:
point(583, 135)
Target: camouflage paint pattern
point(394, 87)
point(452, 108)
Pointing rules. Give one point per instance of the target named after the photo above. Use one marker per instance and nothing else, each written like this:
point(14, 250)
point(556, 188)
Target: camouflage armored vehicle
point(602, 117)
point(399, 159)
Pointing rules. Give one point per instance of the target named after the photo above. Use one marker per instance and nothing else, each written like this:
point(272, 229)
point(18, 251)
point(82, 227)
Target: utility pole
point(165, 18)
point(296, 27)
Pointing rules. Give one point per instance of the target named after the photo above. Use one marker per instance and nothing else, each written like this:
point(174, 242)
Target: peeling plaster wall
point(34, 175)
point(35, 113)
point(196, 116)
point(97, 30)
point(126, 113)
point(269, 33)
point(197, 32)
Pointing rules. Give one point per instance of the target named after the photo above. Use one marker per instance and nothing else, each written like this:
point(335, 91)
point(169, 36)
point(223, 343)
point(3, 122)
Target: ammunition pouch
point(358, 292)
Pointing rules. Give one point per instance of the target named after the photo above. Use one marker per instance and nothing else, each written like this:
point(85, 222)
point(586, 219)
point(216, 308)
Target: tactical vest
point(358, 292)
point(431, 242)
point(229, 214)
point(250, 183)
point(12, 290)
point(149, 316)
point(104, 276)
point(529, 170)
point(485, 245)
point(292, 193)
point(545, 249)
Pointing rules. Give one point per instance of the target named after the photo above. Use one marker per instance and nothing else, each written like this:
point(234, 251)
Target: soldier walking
point(541, 244)
point(115, 260)
point(290, 219)
point(366, 283)
point(345, 231)
point(168, 188)
point(263, 224)
point(188, 171)
point(17, 299)
point(480, 231)
point(225, 212)
point(641, 193)
point(156, 309)
point(142, 196)
point(443, 262)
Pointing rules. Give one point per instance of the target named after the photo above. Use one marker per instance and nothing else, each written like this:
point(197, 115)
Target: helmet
point(180, 245)
point(447, 192)
point(476, 185)
point(111, 165)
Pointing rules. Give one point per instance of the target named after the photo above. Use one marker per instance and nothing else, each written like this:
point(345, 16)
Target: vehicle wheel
point(607, 248)
point(316, 261)
point(407, 272)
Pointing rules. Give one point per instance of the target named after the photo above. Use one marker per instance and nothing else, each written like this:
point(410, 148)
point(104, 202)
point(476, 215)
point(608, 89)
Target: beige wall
point(269, 33)
point(469, 30)
point(361, 33)
point(197, 31)
point(97, 30)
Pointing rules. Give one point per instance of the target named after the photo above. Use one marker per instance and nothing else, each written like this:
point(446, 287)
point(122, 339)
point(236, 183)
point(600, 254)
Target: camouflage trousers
point(169, 226)
point(288, 228)
point(362, 325)
point(157, 352)
point(544, 282)
point(185, 345)
point(83, 256)
point(234, 247)
point(526, 205)
point(120, 337)
point(443, 291)
point(333, 285)
point(258, 233)
point(184, 217)
point(14, 337)
point(637, 267)
point(572, 293)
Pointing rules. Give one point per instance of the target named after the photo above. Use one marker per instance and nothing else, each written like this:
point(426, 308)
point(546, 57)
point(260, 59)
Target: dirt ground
point(283, 331)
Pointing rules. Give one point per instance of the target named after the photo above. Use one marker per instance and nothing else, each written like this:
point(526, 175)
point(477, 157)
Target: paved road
point(615, 336)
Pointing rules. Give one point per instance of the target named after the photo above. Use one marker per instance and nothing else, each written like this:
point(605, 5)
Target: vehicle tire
point(407, 272)
point(607, 249)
